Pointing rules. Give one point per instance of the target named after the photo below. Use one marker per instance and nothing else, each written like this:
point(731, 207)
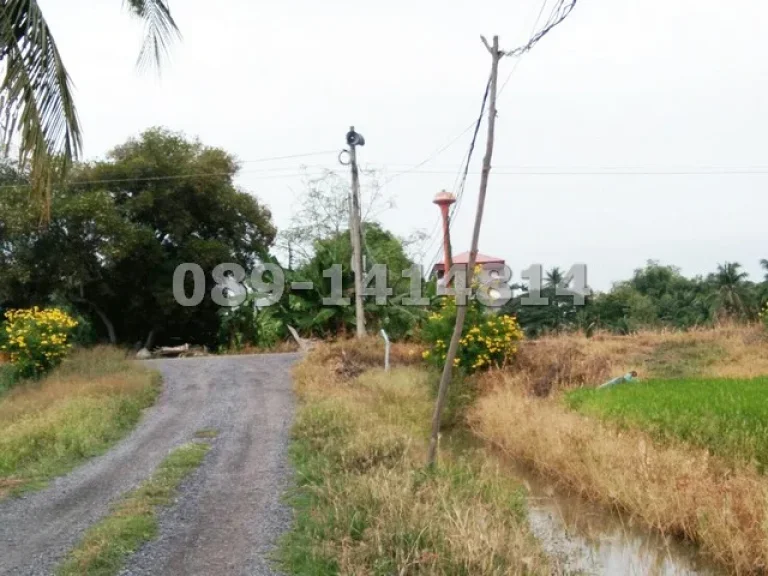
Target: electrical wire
point(560, 12)
point(290, 156)
point(550, 24)
point(192, 175)
point(517, 60)
point(460, 188)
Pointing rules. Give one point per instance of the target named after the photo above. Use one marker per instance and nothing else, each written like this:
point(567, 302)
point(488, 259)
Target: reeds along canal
point(585, 538)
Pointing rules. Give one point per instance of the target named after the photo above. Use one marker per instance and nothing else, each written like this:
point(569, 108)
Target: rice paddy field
point(728, 416)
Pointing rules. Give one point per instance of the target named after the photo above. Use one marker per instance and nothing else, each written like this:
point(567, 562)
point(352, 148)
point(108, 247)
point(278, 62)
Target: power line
point(621, 172)
point(552, 172)
point(560, 12)
point(517, 61)
point(293, 172)
point(460, 188)
point(550, 24)
point(431, 157)
point(579, 169)
point(428, 159)
point(290, 156)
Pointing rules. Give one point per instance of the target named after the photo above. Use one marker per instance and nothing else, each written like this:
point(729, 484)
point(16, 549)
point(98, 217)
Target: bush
point(487, 340)
point(84, 334)
point(37, 340)
point(7, 377)
point(764, 315)
point(247, 326)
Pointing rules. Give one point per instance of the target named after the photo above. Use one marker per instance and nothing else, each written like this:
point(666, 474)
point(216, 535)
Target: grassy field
point(364, 503)
point(46, 428)
point(727, 416)
point(133, 521)
point(671, 452)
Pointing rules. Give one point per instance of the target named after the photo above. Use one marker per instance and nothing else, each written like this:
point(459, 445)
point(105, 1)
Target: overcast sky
point(632, 85)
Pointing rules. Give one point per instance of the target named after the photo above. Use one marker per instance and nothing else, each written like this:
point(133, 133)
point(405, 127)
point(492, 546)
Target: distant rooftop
point(463, 259)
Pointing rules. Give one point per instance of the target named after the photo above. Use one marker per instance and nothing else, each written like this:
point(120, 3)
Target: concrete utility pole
point(461, 311)
point(355, 230)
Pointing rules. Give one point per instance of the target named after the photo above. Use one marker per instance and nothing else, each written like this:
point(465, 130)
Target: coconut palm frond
point(161, 29)
point(37, 86)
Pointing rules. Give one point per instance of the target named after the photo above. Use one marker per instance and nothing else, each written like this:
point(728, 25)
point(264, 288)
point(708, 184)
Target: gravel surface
point(229, 512)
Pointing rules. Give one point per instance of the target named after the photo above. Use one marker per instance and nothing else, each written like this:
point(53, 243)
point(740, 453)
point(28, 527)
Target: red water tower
point(444, 200)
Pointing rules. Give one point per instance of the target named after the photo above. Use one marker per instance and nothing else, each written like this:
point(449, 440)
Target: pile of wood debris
point(183, 351)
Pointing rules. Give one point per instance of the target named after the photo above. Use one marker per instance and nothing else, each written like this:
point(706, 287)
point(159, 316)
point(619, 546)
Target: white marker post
point(386, 350)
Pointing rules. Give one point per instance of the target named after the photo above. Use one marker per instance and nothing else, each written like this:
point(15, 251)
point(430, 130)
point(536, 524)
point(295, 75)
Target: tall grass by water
point(674, 451)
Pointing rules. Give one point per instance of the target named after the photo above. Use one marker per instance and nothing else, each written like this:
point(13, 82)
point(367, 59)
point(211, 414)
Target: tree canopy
point(121, 227)
point(656, 296)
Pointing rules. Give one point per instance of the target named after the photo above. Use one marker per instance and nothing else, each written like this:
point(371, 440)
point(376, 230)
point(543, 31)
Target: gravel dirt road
point(229, 512)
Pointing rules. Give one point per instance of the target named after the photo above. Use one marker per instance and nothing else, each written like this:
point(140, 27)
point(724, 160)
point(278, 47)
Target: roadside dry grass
point(133, 521)
point(670, 485)
point(78, 411)
point(365, 504)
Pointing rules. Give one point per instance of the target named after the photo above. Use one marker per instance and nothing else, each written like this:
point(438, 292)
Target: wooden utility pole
point(461, 311)
point(355, 230)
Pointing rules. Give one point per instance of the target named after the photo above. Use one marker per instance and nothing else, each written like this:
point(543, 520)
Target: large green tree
point(36, 92)
point(121, 228)
point(382, 249)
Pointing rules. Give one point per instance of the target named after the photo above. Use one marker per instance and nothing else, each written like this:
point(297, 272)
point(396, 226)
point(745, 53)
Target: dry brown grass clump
point(554, 363)
point(350, 358)
point(93, 373)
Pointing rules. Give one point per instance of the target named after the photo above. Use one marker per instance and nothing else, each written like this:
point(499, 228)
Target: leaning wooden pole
point(461, 311)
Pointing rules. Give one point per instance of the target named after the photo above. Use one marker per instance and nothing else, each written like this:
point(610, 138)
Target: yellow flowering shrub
point(487, 340)
point(36, 339)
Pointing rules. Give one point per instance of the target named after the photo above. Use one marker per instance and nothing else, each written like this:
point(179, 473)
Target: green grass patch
point(364, 503)
point(133, 521)
point(727, 416)
point(82, 408)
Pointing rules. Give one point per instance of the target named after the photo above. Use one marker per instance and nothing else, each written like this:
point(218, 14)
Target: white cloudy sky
point(638, 85)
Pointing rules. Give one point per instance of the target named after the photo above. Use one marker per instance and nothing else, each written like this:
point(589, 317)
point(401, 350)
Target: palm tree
point(764, 264)
point(729, 282)
point(36, 91)
point(553, 278)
